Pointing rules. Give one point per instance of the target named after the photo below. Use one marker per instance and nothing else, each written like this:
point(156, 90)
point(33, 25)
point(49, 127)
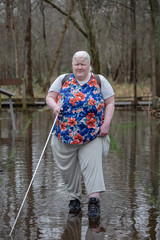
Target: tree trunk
point(117, 71)
point(44, 33)
point(53, 62)
point(125, 52)
point(28, 58)
point(133, 71)
point(15, 40)
point(155, 20)
point(91, 37)
point(8, 37)
point(153, 64)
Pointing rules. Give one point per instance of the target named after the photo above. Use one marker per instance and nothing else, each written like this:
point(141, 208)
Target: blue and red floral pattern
point(82, 113)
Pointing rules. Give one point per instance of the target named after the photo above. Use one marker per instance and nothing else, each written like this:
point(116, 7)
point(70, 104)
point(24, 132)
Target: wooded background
point(39, 38)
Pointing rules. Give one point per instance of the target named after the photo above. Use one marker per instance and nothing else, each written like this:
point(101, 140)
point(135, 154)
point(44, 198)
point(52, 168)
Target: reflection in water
point(130, 206)
point(95, 231)
point(72, 230)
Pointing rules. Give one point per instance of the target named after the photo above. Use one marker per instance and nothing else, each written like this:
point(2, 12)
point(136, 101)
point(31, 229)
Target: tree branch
point(77, 26)
point(53, 62)
point(123, 5)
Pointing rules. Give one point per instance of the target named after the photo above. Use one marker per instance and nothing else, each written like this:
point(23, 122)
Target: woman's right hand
point(56, 109)
point(51, 102)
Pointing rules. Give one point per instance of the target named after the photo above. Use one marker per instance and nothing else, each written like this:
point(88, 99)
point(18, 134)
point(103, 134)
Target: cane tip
point(9, 237)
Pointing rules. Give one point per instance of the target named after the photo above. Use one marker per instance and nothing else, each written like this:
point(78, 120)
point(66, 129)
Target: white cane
point(36, 169)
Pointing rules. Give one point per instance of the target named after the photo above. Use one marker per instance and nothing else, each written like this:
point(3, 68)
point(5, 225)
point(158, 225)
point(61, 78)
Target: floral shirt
point(82, 114)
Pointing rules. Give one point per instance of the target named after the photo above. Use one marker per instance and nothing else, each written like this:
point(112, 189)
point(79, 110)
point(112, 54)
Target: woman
point(81, 130)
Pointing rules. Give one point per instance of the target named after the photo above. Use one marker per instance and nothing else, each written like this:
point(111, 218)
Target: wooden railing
point(12, 82)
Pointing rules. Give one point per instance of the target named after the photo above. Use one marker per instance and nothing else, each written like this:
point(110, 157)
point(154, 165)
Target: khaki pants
point(74, 159)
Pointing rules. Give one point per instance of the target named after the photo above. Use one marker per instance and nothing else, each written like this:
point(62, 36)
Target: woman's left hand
point(103, 130)
point(109, 110)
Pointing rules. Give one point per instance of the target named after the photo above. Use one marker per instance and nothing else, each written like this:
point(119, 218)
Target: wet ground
point(130, 208)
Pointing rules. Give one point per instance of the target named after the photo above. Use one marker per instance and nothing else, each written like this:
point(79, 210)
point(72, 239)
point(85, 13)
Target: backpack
point(96, 76)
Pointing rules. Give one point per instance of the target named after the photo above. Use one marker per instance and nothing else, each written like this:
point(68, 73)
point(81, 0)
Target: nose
point(80, 67)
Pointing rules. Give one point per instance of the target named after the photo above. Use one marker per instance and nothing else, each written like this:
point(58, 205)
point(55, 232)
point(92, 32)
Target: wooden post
point(24, 105)
point(0, 103)
point(0, 98)
point(12, 113)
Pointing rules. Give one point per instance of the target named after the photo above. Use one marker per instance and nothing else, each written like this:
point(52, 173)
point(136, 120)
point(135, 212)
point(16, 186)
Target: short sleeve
point(106, 88)
point(57, 84)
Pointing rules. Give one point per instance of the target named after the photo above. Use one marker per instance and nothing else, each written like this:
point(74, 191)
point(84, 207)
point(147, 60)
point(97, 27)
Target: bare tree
point(133, 71)
point(8, 36)
point(44, 33)
point(28, 44)
point(111, 31)
point(75, 23)
point(89, 34)
point(15, 38)
point(155, 20)
point(47, 80)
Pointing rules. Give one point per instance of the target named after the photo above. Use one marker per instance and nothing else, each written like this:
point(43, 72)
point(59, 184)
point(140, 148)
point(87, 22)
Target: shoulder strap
point(96, 76)
point(66, 77)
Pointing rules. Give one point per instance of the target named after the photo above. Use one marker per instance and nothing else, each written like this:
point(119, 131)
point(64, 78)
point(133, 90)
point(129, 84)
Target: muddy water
point(130, 208)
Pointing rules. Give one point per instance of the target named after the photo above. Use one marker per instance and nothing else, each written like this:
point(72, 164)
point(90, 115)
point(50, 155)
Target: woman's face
point(81, 68)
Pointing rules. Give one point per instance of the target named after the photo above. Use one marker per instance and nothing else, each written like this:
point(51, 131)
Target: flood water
point(130, 208)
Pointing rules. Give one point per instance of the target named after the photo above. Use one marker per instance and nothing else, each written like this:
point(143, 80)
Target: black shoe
point(93, 208)
point(74, 206)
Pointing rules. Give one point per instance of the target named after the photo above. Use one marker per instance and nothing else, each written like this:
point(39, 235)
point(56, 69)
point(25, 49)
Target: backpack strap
point(96, 76)
point(66, 77)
